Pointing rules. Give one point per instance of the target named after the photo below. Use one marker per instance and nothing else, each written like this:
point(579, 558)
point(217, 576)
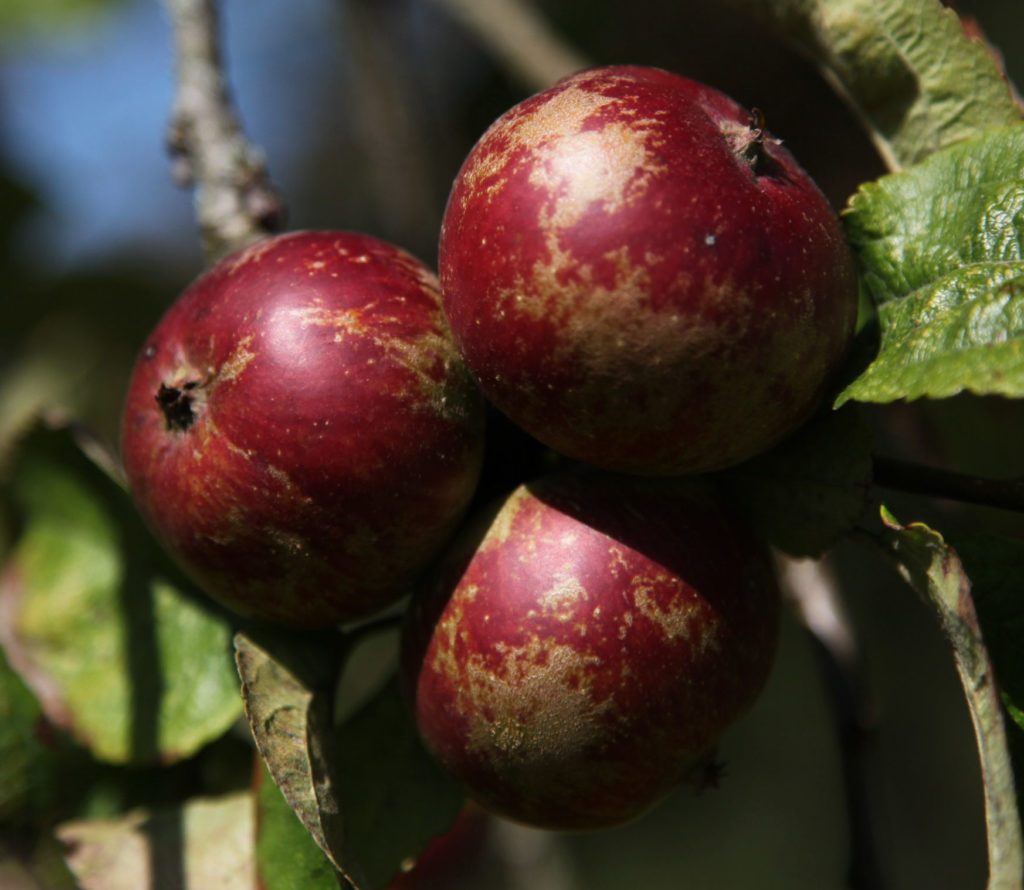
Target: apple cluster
point(637, 274)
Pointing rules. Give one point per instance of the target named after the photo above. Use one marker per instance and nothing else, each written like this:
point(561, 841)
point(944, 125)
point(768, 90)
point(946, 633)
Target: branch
point(235, 202)
point(946, 484)
point(520, 37)
point(816, 598)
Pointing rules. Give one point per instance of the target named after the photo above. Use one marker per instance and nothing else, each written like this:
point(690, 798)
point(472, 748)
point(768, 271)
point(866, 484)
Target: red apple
point(642, 277)
point(299, 430)
point(585, 647)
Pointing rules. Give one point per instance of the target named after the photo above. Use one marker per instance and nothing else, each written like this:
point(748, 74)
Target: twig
point(812, 588)
point(235, 203)
point(520, 38)
point(949, 485)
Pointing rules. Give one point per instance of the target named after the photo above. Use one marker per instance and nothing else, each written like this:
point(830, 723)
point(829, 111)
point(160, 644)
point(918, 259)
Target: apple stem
point(1003, 494)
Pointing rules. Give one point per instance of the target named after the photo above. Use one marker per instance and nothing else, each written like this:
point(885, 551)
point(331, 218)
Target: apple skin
point(642, 277)
point(586, 645)
point(299, 430)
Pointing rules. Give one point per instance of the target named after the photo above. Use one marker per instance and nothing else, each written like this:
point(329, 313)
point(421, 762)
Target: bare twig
point(235, 203)
point(520, 38)
point(812, 588)
point(937, 483)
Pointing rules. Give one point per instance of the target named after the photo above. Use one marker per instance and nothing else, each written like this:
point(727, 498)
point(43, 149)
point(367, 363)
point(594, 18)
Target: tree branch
point(235, 202)
point(946, 484)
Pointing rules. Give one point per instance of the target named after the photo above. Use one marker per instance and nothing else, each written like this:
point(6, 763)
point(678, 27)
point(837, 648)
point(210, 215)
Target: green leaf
point(917, 80)
point(807, 492)
point(366, 792)
point(102, 627)
point(206, 843)
point(287, 857)
point(26, 763)
point(941, 249)
point(21, 19)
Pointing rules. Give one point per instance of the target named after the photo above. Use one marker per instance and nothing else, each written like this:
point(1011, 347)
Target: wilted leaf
point(38, 865)
point(807, 492)
point(287, 857)
point(205, 844)
point(941, 248)
point(287, 696)
point(98, 623)
point(366, 791)
point(919, 82)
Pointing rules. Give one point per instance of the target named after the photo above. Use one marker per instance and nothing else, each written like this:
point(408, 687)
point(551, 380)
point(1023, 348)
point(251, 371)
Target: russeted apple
point(583, 647)
point(299, 430)
point(641, 276)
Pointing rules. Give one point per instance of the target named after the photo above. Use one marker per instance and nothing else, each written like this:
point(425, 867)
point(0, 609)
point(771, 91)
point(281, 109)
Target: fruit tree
point(596, 462)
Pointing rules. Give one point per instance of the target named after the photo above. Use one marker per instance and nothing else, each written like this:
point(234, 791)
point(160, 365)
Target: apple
point(584, 646)
point(641, 276)
point(299, 430)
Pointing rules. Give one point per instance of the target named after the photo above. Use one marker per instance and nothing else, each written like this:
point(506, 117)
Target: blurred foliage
point(48, 20)
point(204, 843)
point(97, 615)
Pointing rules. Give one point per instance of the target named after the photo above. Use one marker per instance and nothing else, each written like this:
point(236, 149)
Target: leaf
point(395, 799)
point(366, 792)
point(47, 18)
point(807, 492)
point(207, 843)
point(941, 249)
point(99, 624)
point(287, 697)
point(917, 80)
point(935, 571)
point(996, 568)
point(287, 857)
point(26, 762)
point(36, 865)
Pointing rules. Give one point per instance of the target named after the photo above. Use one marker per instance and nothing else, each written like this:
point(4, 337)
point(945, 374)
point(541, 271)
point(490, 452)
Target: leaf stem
point(235, 202)
point(1004, 494)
